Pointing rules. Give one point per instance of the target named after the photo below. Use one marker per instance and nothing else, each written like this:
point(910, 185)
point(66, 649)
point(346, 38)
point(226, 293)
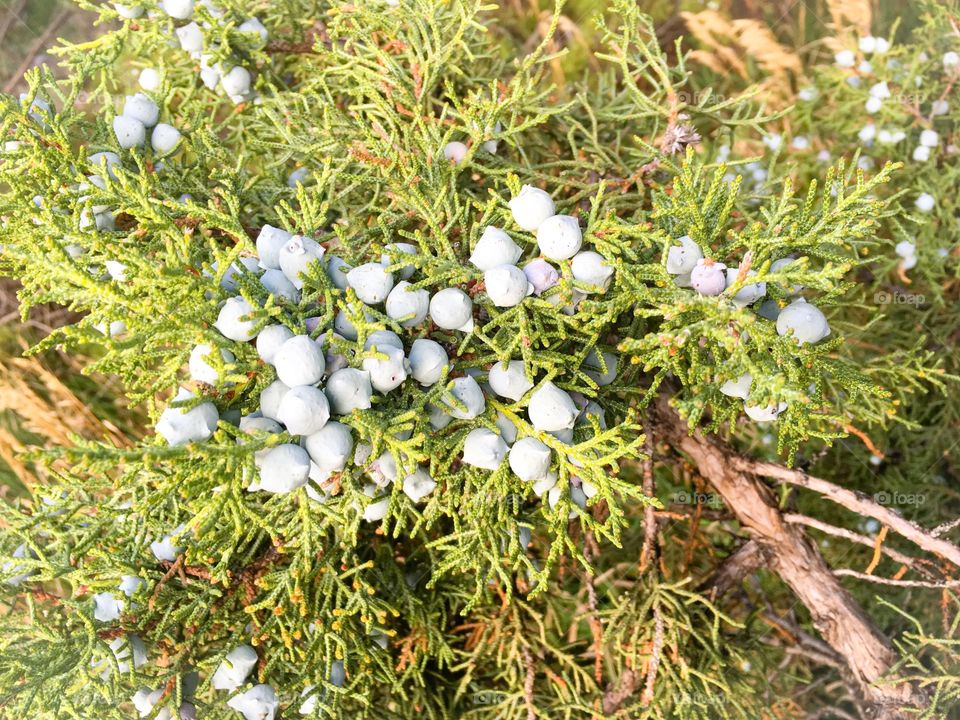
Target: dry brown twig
point(895, 555)
point(647, 697)
point(626, 685)
point(846, 572)
point(528, 684)
point(649, 512)
point(38, 45)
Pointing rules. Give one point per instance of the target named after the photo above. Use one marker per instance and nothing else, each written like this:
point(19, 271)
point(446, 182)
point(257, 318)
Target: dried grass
point(851, 15)
point(37, 405)
point(46, 406)
point(728, 46)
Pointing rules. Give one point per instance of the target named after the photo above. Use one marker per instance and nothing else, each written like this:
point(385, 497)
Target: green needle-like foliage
point(444, 608)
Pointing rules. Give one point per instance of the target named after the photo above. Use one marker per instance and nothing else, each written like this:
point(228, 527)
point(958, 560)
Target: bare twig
point(857, 502)
point(13, 13)
point(835, 531)
point(175, 566)
point(655, 654)
point(38, 44)
point(528, 681)
point(596, 625)
point(616, 696)
point(743, 562)
point(945, 528)
point(898, 583)
point(806, 644)
point(649, 550)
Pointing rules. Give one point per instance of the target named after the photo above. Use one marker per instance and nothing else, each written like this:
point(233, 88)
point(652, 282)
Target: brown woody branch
point(866, 653)
point(740, 564)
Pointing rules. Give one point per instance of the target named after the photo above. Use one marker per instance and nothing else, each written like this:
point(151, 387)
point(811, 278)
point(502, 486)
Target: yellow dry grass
point(728, 45)
point(46, 406)
point(37, 403)
point(851, 15)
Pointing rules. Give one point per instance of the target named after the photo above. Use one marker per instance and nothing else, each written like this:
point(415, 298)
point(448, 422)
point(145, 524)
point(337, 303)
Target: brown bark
point(742, 562)
point(864, 650)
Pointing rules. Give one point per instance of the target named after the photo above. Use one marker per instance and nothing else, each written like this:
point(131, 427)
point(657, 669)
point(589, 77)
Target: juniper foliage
point(443, 609)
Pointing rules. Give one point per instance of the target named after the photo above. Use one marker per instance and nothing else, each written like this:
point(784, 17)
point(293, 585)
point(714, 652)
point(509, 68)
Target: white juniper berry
point(253, 25)
point(506, 285)
point(299, 361)
point(541, 275)
point(269, 340)
point(394, 252)
point(682, 259)
point(530, 459)
point(592, 270)
point(258, 703)
point(559, 237)
point(270, 242)
point(739, 387)
point(337, 269)
point(382, 339)
point(455, 151)
point(164, 139)
point(283, 469)
point(407, 304)
point(484, 449)
point(150, 79)
point(235, 668)
point(708, 277)
point(764, 413)
point(277, 284)
point(551, 409)
point(130, 132)
point(297, 256)
point(531, 207)
point(464, 398)
point(452, 309)
point(418, 485)
point(180, 425)
point(303, 410)
point(371, 282)
point(509, 380)
point(602, 373)
point(141, 108)
point(803, 322)
point(388, 368)
point(749, 293)
point(236, 83)
point(234, 320)
point(494, 248)
point(349, 389)
point(330, 447)
point(200, 369)
point(271, 397)
point(179, 9)
point(427, 360)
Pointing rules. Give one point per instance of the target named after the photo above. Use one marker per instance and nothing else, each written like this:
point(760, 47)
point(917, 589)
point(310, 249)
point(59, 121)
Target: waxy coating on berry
point(531, 207)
